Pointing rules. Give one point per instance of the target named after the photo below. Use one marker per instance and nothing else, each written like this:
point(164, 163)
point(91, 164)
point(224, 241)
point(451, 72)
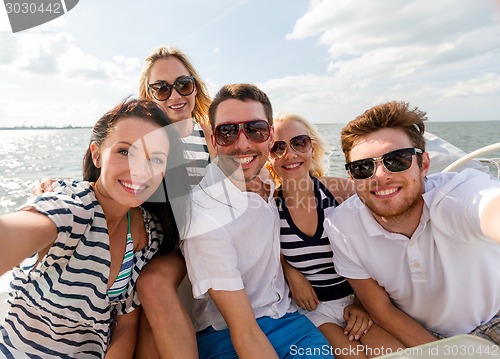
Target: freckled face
point(133, 160)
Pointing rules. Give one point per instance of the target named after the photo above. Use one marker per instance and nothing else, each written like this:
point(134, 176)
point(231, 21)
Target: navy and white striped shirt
point(196, 152)
point(312, 256)
point(60, 306)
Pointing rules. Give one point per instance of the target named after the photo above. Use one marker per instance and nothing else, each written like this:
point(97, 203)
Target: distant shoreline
point(430, 123)
point(44, 128)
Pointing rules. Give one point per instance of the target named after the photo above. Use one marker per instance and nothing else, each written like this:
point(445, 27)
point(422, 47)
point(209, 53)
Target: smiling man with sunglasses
point(242, 305)
point(422, 253)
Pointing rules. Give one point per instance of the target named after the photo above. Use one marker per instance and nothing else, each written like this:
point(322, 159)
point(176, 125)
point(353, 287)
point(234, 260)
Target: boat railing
point(492, 162)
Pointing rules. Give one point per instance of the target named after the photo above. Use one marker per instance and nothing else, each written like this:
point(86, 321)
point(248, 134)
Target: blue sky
point(327, 60)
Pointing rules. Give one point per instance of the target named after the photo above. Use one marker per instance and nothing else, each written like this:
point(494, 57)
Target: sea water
point(27, 156)
point(467, 136)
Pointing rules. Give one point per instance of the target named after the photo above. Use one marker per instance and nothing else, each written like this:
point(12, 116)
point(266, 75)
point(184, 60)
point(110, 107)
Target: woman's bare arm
point(22, 234)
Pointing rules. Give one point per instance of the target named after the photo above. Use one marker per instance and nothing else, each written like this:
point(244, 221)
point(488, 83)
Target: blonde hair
point(202, 99)
point(317, 169)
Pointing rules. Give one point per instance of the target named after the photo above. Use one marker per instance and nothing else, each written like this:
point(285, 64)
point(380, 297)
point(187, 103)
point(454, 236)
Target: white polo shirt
point(231, 244)
point(447, 275)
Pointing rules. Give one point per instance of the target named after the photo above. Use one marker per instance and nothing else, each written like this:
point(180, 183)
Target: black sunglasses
point(256, 131)
point(300, 143)
point(395, 161)
point(161, 90)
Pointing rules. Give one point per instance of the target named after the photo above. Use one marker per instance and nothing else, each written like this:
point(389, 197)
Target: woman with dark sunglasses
point(325, 297)
point(171, 80)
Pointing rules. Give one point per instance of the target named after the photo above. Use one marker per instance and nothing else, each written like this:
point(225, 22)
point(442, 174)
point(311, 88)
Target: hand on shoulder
point(45, 185)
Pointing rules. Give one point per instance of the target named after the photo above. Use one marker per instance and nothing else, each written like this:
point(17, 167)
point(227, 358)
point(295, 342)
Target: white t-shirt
point(232, 243)
point(447, 275)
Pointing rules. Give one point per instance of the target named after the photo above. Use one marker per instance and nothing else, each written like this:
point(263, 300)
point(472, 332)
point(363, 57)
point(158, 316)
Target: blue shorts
point(292, 336)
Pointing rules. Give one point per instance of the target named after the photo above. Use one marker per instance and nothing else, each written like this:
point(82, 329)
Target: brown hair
point(144, 109)
point(395, 114)
point(242, 92)
point(175, 183)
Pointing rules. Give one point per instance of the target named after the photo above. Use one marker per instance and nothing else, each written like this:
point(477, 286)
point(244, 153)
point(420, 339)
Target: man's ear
point(96, 155)
point(212, 139)
point(426, 163)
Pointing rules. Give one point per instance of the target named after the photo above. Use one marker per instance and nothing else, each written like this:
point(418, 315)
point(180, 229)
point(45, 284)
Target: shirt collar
point(373, 228)
point(218, 185)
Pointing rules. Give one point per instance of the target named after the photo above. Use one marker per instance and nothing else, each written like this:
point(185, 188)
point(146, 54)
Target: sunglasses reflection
point(301, 143)
point(394, 161)
point(161, 90)
point(257, 131)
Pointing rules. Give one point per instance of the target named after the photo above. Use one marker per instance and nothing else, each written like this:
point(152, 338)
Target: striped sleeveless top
point(119, 286)
point(312, 256)
point(196, 153)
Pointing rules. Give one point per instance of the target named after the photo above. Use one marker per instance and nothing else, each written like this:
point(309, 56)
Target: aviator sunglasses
point(395, 161)
point(161, 90)
point(301, 143)
point(256, 131)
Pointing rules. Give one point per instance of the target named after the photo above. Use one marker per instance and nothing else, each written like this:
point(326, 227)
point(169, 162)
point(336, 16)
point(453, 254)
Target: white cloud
point(419, 50)
point(441, 55)
point(8, 49)
point(56, 54)
point(488, 84)
point(4, 22)
point(62, 84)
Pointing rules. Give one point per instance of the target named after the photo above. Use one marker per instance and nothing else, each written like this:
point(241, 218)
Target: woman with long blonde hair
point(305, 195)
point(170, 79)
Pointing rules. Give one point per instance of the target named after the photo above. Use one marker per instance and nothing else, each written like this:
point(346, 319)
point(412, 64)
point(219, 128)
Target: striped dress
point(312, 256)
point(60, 307)
point(197, 154)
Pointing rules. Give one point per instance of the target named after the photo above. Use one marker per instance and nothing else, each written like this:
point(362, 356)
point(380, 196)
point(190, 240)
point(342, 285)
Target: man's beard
point(398, 211)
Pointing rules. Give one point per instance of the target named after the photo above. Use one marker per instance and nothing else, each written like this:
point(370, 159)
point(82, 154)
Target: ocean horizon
point(50, 127)
point(31, 154)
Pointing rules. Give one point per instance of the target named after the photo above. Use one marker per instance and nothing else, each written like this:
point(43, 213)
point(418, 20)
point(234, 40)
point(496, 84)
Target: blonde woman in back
point(170, 79)
point(303, 198)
